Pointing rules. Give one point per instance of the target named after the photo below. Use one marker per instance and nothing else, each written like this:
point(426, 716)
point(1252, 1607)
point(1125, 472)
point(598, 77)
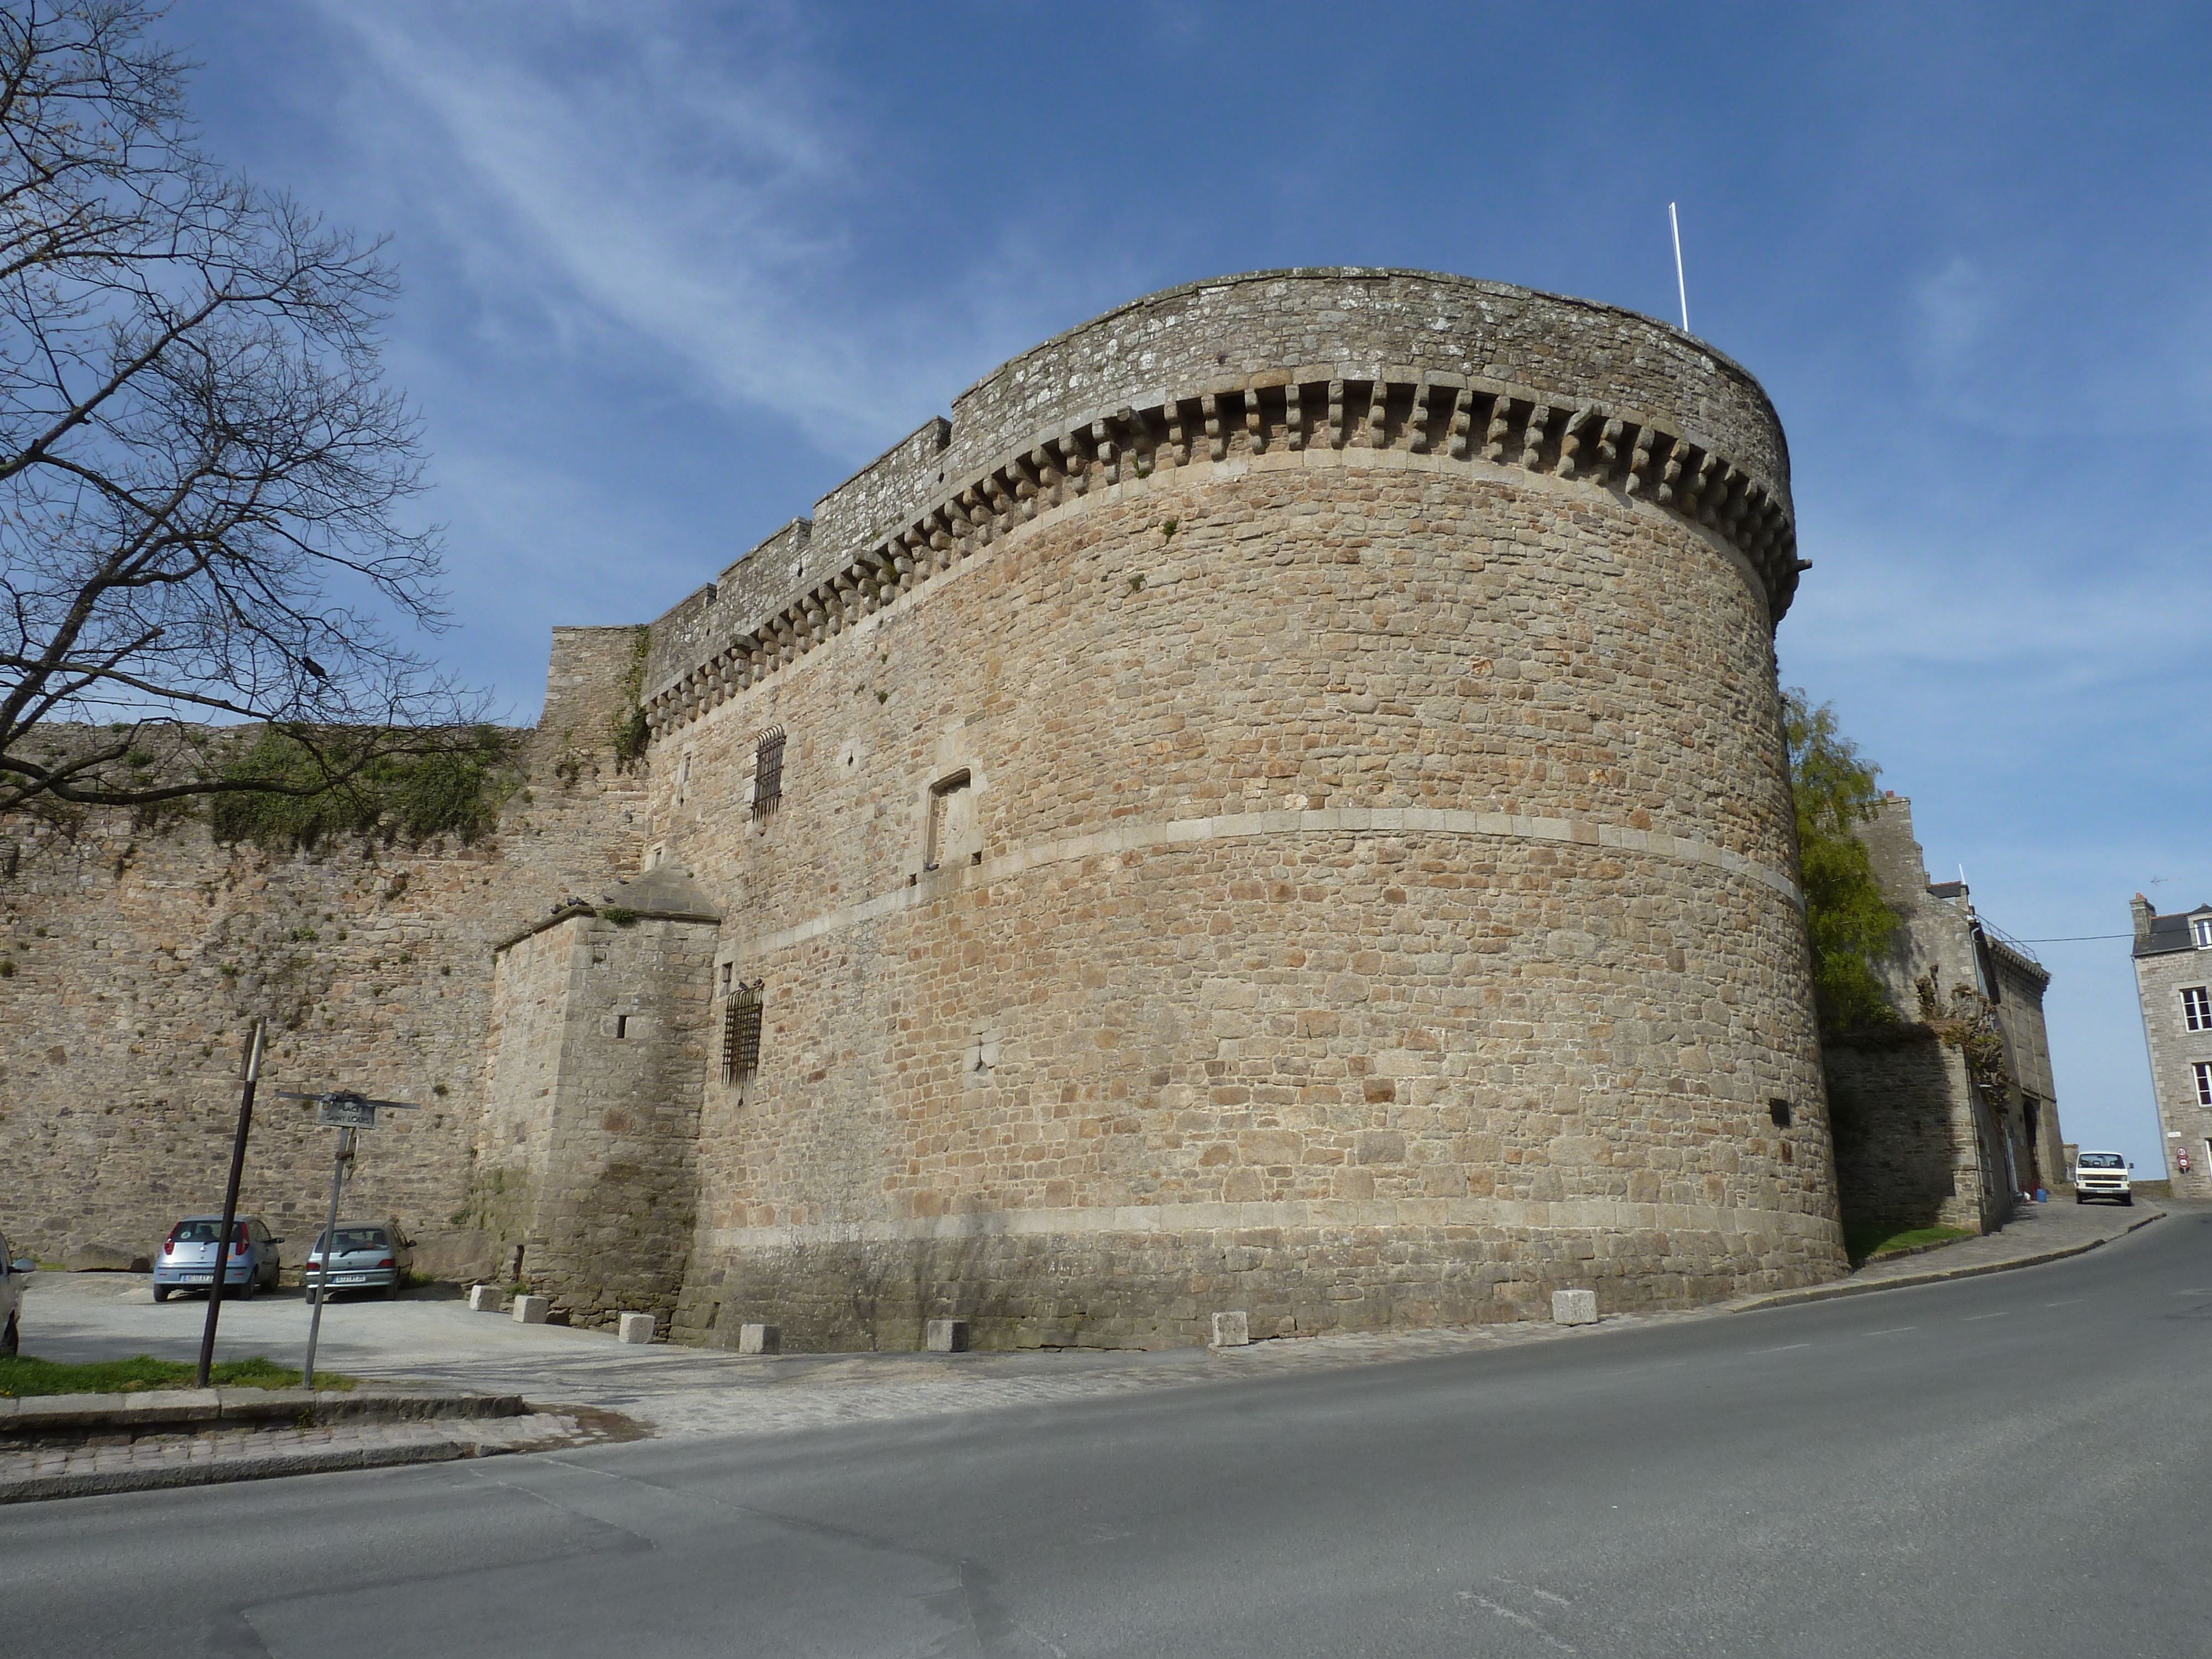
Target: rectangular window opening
point(1778, 1111)
point(741, 1033)
point(622, 1027)
point(2204, 1083)
point(2197, 1007)
point(2200, 931)
point(952, 828)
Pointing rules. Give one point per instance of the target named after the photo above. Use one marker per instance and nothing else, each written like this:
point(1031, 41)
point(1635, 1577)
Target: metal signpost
point(346, 1110)
point(215, 1280)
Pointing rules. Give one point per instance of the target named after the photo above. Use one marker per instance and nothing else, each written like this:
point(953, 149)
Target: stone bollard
point(635, 1328)
point(760, 1339)
point(531, 1309)
point(1574, 1307)
point(484, 1299)
point(947, 1336)
point(1232, 1330)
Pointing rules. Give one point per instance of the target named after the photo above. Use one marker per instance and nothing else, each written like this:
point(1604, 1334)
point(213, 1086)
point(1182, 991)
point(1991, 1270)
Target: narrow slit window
point(741, 1033)
point(622, 1027)
point(767, 772)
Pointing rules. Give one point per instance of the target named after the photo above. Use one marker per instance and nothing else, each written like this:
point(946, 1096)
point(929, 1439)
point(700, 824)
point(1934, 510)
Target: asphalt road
point(2016, 1465)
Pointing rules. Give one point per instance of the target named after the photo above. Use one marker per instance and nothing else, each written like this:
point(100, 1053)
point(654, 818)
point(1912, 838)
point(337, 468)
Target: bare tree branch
point(200, 467)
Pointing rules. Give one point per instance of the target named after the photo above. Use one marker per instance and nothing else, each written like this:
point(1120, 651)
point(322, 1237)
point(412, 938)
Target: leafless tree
point(201, 468)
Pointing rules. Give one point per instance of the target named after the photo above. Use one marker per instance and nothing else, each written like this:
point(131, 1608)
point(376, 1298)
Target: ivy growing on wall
point(452, 792)
point(1849, 922)
point(631, 731)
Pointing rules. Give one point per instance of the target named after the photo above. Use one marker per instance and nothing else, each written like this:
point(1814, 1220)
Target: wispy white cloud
point(626, 179)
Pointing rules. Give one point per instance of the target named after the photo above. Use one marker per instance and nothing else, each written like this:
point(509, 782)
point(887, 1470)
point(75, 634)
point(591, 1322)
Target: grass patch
point(23, 1375)
point(1863, 1242)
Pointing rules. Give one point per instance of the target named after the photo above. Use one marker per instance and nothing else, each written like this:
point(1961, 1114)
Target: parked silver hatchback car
point(187, 1259)
point(365, 1259)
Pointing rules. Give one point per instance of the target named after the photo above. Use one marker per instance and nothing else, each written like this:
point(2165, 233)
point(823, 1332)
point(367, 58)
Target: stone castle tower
point(1277, 804)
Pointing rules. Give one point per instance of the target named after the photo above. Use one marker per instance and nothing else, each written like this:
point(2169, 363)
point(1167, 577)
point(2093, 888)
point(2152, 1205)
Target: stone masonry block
point(531, 1309)
point(1574, 1307)
point(947, 1336)
point(1232, 1330)
point(635, 1328)
point(759, 1338)
point(484, 1299)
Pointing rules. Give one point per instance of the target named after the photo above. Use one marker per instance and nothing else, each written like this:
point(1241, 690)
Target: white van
point(2103, 1175)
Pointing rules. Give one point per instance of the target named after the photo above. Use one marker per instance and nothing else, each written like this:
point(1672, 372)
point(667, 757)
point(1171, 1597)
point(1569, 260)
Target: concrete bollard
point(1574, 1307)
point(1232, 1330)
point(531, 1309)
point(484, 1299)
point(947, 1336)
point(760, 1339)
point(635, 1328)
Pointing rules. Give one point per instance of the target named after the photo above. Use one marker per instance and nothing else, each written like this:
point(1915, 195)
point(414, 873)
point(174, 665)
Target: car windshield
point(357, 1238)
point(2102, 1161)
point(201, 1232)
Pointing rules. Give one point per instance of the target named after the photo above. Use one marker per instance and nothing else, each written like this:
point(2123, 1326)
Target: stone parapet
point(1323, 367)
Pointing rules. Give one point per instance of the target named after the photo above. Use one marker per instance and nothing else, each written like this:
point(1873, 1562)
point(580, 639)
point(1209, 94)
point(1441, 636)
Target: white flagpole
point(1681, 288)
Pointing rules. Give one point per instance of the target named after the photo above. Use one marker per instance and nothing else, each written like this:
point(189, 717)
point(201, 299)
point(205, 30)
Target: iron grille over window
point(741, 1033)
point(767, 772)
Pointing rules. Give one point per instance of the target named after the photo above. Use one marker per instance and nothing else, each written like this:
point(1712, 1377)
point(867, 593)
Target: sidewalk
point(606, 1389)
point(2036, 1233)
point(198, 1460)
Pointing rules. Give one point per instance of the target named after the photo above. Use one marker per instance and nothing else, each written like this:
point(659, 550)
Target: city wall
point(1282, 809)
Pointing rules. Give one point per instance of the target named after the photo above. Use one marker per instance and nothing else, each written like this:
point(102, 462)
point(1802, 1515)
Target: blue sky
point(673, 270)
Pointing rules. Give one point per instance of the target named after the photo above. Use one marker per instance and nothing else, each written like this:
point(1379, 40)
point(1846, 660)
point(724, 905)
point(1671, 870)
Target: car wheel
point(2129, 1200)
point(392, 1291)
point(252, 1288)
point(2081, 1198)
point(161, 1293)
point(13, 1338)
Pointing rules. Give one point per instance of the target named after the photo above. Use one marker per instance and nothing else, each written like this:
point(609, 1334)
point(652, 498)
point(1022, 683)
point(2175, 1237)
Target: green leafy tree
point(1850, 923)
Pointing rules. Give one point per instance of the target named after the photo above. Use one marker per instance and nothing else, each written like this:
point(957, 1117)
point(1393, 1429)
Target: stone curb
point(1936, 1275)
point(215, 1472)
point(179, 1409)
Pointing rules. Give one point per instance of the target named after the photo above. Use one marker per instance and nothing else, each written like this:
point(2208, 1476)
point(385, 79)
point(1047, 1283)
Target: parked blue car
point(187, 1259)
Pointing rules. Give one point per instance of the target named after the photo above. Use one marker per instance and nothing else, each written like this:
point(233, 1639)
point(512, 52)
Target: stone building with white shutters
point(2173, 980)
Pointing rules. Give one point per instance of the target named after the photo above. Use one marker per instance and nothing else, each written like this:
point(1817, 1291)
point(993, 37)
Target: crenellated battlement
point(1287, 362)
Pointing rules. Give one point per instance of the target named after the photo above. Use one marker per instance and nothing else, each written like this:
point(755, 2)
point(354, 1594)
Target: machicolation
point(1277, 805)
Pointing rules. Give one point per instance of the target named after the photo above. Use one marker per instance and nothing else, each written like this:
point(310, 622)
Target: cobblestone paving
point(481, 1437)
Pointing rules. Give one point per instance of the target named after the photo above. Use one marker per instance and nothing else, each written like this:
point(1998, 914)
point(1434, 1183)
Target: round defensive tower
point(1278, 806)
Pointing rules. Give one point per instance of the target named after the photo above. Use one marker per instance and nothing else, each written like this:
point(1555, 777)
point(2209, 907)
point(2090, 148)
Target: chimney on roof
point(2140, 908)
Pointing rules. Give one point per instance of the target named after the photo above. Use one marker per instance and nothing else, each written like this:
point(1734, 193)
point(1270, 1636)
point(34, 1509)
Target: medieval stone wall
point(1282, 809)
point(1379, 907)
point(141, 951)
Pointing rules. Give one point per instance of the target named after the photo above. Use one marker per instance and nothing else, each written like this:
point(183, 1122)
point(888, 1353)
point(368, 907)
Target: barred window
point(2204, 1083)
point(767, 772)
point(741, 1033)
point(2197, 1008)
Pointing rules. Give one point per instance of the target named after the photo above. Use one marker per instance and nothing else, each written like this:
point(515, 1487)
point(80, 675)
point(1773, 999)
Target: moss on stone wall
point(453, 792)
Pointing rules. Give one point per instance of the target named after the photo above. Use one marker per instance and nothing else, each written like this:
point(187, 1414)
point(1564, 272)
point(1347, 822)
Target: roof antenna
point(1681, 288)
